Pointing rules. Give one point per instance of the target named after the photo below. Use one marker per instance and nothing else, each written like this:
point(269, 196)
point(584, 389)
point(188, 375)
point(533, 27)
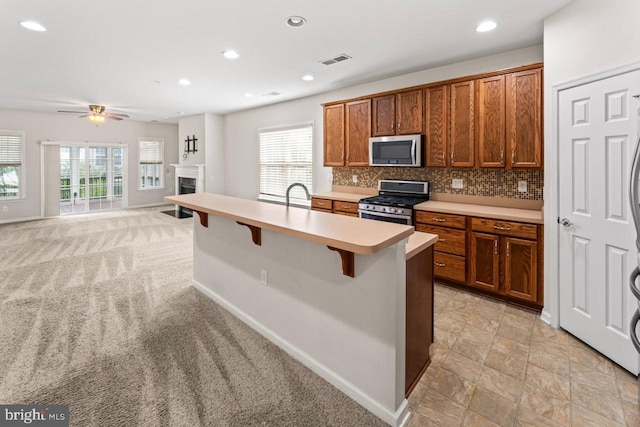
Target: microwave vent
point(339, 58)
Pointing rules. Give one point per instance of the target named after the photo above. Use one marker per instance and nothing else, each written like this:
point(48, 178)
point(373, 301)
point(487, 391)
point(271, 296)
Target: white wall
point(54, 127)
point(214, 153)
point(188, 127)
point(241, 129)
point(586, 37)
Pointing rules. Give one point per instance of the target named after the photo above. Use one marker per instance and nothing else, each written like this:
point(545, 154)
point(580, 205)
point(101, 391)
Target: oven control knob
point(392, 210)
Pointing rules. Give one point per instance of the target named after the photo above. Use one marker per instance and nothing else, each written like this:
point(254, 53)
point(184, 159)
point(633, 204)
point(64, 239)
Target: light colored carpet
point(97, 311)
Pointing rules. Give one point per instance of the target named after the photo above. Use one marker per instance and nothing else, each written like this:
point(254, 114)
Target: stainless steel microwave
point(402, 150)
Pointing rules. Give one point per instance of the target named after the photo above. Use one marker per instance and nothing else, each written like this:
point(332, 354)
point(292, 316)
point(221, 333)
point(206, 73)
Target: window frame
point(22, 188)
point(277, 199)
point(141, 187)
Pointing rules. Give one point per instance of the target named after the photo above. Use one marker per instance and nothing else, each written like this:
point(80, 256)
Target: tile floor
point(494, 364)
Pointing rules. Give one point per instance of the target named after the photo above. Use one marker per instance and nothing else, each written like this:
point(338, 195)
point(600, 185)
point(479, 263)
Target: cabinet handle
point(439, 264)
point(499, 227)
point(502, 156)
point(451, 157)
point(439, 219)
point(513, 157)
point(495, 247)
point(346, 207)
point(399, 126)
point(320, 203)
point(442, 240)
point(508, 249)
point(443, 161)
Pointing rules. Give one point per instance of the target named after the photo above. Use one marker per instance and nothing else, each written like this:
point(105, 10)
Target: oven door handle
point(407, 217)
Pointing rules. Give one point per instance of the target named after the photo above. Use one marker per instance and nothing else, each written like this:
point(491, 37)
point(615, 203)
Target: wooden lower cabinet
point(485, 261)
point(334, 206)
point(503, 258)
point(520, 269)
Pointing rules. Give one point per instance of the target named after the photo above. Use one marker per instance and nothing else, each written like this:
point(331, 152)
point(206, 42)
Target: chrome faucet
point(297, 184)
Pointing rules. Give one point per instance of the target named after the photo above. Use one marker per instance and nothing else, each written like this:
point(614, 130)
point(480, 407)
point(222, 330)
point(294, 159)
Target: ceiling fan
point(97, 114)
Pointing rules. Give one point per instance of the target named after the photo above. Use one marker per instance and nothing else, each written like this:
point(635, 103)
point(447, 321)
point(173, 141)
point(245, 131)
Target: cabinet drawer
point(449, 266)
point(445, 220)
point(348, 207)
point(353, 214)
point(321, 203)
point(507, 228)
point(450, 241)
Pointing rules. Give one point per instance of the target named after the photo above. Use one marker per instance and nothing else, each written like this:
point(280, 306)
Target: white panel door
point(598, 130)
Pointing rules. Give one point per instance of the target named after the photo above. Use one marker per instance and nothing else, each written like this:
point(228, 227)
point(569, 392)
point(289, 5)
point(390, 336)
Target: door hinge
point(558, 220)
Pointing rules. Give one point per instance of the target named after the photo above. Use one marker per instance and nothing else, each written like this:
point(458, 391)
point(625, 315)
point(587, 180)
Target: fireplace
point(189, 179)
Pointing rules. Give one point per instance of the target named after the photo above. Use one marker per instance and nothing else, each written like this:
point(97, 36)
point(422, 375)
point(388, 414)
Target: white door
point(598, 130)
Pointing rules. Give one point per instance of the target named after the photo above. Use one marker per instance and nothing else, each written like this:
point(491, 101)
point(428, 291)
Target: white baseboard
point(545, 316)
point(150, 205)
point(397, 419)
point(31, 218)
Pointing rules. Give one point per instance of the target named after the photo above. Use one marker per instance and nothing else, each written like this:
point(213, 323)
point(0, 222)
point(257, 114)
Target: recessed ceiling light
point(32, 25)
point(248, 95)
point(307, 77)
point(184, 82)
point(296, 21)
point(486, 26)
point(230, 54)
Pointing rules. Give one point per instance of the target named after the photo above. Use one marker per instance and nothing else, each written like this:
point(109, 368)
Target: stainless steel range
point(395, 201)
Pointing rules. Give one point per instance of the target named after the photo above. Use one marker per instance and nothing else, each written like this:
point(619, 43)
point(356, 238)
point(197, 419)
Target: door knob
point(565, 222)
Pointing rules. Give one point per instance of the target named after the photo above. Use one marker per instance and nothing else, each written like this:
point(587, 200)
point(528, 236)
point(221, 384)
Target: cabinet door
point(409, 112)
point(524, 119)
point(520, 269)
point(358, 130)
point(484, 261)
point(384, 115)
point(462, 124)
point(334, 135)
point(437, 125)
point(491, 122)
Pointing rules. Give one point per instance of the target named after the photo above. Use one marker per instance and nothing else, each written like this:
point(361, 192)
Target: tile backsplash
point(476, 182)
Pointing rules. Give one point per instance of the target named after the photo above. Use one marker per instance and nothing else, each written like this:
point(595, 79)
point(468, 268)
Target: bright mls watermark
point(36, 415)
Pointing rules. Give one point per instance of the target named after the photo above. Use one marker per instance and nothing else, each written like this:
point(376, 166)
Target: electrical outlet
point(263, 277)
point(5, 209)
point(457, 183)
point(522, 186)
point(354, 178)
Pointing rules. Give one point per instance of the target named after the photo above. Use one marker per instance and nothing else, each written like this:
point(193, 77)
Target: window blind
point(11, 148)
point(151, 152)
point(286, 158)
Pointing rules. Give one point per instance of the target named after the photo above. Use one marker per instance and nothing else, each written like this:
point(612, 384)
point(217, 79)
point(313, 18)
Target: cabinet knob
point(502, 156)
point(513, 157)
point(495, 247)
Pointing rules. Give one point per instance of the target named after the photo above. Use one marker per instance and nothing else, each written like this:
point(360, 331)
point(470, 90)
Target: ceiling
point(129, 55)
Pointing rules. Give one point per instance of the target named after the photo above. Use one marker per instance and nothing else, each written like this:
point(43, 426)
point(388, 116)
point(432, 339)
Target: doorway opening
point(91, 178)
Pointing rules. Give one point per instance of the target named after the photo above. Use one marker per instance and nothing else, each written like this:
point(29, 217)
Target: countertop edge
point(418, 242)
point(506, 214)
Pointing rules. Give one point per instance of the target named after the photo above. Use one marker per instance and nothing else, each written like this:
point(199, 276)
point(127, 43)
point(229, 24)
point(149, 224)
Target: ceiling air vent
point(339, 58)
point(272, 94)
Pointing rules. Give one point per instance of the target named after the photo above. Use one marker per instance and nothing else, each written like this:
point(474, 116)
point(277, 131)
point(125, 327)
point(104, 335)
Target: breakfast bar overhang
point(272, 267)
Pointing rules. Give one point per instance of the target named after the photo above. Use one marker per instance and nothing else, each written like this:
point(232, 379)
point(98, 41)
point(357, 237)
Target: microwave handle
point(413, 151)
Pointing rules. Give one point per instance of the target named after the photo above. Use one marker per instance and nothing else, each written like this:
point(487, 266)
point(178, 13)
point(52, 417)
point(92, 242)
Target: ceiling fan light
point(96, 118)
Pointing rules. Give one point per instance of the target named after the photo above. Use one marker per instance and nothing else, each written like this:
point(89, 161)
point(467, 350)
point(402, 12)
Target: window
point(11, 164)
point(285, 158)
point(151, 155)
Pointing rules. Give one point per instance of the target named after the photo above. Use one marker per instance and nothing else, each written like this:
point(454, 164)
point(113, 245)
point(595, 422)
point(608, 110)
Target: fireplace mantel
point(189, 171)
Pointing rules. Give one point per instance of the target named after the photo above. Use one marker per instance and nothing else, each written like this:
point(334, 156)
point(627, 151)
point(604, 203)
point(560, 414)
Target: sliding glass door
point(91, 178)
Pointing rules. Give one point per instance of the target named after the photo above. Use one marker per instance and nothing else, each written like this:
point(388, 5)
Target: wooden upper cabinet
point(437, 125)
point(491, 122)
point(462, 140)
point(358, 116)
point(384, 115)
point(334, 135)
point(524, 119)
point(409, 112)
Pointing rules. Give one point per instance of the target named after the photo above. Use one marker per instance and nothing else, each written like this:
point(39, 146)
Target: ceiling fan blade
point(85, 115)
point(76, 112)
point(126, 116)
point(112, 117)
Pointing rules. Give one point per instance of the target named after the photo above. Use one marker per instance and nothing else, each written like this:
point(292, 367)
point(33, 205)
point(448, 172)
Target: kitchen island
point(329, 290)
